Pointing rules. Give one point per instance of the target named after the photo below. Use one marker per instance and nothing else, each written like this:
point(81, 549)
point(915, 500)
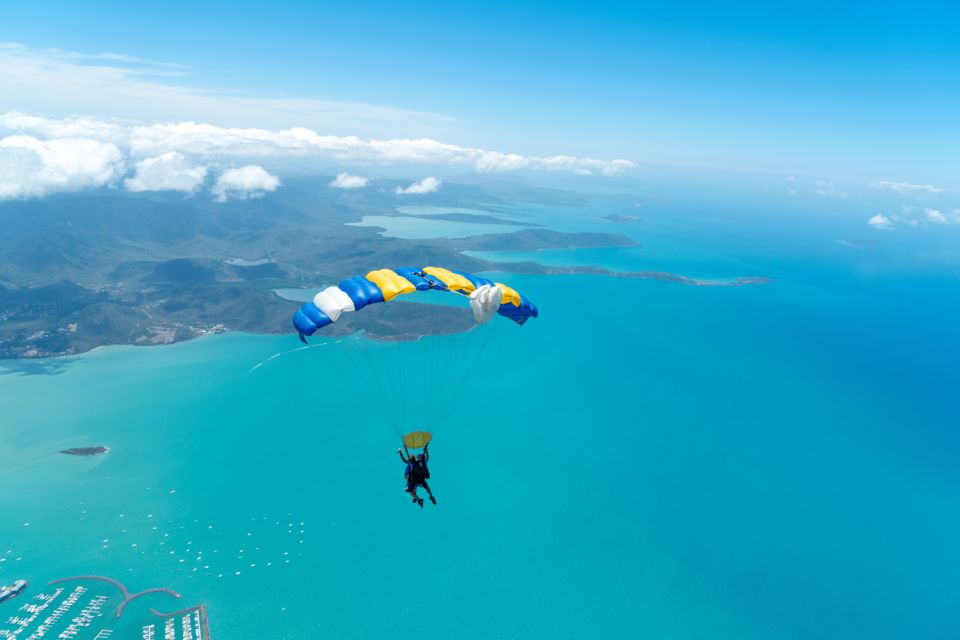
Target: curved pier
point(127, 597)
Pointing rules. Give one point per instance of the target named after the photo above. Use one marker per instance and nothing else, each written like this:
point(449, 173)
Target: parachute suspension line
point(435, 385)
point(403, 375)
point(371, 380)
point(447, 361)
point(473, 360)
point(353, 383)
point(398, 376)
point(447, 370)
point(487, 355)
point(421, 348)
point(450, 354)
point(429, 390)
point(392, 383)
point(451, 368)
point(385, 369)
point(474, 343)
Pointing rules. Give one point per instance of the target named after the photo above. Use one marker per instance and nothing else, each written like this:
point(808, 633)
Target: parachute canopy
point(417, 439)
point(487, 298)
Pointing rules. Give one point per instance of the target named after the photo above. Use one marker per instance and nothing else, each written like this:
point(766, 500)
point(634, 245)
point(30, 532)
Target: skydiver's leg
point(429, 492)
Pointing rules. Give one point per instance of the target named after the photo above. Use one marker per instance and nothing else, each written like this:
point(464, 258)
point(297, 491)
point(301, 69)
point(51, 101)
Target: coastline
point(347, 329)
point(223, 288)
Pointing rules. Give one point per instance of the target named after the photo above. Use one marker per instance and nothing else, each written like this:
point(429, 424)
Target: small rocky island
point(622, 217)
point(86, 451)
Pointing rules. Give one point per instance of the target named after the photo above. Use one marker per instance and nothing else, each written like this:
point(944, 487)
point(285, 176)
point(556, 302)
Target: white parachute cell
point(333, 301)
point(485, 301)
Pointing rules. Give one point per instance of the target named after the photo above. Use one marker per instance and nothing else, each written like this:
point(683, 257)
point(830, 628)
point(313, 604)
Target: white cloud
point(494, 161)
point(250, 181)
point(616, 167)
point(427, 185)
point(202, 144)
point(905, 187)
point(939, 217)
point(347, 181)
point(880, 221)
point(169, 171)
point(40, 155)
point(32, 167)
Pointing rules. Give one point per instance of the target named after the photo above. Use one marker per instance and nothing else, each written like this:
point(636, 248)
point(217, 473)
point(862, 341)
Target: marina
point(83, 612)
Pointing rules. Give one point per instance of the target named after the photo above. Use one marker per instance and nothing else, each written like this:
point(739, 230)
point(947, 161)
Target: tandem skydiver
point(417, 473)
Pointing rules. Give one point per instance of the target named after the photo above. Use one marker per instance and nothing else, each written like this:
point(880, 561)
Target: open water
point(647, 459)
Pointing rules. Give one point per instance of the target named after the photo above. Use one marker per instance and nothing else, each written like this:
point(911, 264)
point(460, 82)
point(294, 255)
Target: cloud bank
point(211, 141)
point(427, 185)
point(45, 155)
point(31, 166)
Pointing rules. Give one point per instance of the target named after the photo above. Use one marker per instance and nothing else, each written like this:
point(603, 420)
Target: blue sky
point(849, 91)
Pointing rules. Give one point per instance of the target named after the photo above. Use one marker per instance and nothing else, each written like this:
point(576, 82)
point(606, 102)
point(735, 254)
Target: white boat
point(13, 590)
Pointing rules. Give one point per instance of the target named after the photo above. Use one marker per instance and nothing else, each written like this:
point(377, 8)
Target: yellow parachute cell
point(391, 283)
point(454, 281)
point(509, 295)
point(417, 439)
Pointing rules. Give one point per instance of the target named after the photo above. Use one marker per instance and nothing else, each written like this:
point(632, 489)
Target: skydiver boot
point(420, 502)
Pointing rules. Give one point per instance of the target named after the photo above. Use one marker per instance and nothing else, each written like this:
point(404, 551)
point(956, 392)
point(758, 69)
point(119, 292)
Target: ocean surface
point(645, 460)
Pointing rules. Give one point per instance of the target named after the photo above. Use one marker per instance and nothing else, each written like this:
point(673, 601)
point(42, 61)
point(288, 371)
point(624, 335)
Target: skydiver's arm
point(400, 451)
point(426, 454)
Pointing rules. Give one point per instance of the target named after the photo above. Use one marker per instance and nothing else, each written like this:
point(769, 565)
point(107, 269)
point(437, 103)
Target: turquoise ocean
point(645, 460)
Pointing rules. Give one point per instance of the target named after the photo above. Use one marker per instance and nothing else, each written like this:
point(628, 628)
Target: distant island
point(86, 451)
point(97, 268)
point(621, 217)
point(859, 243)
point(664, 276)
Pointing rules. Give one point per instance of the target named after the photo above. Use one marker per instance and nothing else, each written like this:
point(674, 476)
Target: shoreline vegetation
point(88, 270)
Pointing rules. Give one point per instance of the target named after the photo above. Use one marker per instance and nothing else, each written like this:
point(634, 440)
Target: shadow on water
point(45, 367)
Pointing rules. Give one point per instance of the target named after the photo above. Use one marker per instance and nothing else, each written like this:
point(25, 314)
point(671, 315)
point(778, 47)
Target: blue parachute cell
point(476, 281)
point(410, 273)
point(519, 314)
point(304, 325)
point(316, 316)
point(361, 291)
